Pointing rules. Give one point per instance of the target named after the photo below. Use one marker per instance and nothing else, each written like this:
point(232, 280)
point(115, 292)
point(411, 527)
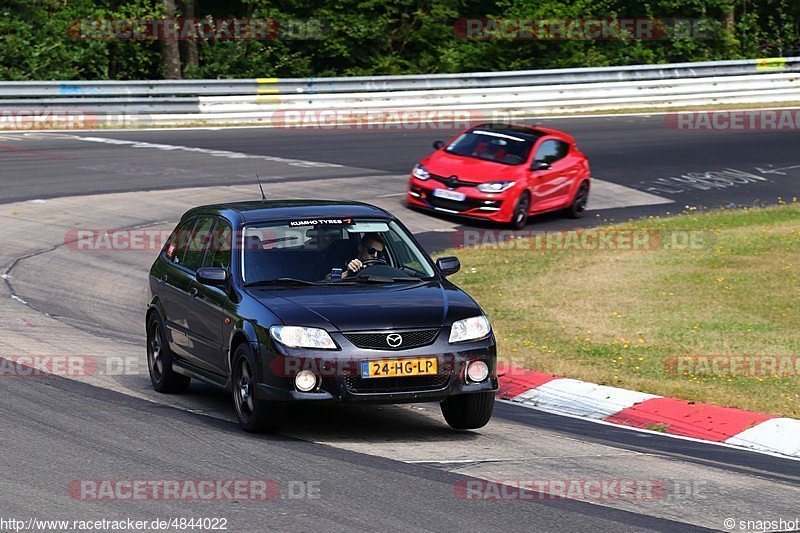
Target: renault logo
point(394, 340)
point(452, 181)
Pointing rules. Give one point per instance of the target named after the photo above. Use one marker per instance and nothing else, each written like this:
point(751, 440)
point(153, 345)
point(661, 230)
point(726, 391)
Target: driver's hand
point(355, 265)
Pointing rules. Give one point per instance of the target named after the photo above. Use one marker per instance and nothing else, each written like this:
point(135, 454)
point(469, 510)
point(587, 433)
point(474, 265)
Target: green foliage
point(374, 37)
point(35, 43)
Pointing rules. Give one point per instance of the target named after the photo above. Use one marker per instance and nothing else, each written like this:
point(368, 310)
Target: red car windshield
point(507, 148)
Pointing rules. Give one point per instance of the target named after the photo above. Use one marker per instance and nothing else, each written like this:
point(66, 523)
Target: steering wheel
point(372, 262)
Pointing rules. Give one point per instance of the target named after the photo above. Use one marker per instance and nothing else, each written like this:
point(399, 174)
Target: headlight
point(496, 186)
point(299, 337)
point(470, 329)
point(419, 172)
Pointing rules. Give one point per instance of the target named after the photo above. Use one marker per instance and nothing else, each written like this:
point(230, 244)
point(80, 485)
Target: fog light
point(477, 371)
point(305, 380)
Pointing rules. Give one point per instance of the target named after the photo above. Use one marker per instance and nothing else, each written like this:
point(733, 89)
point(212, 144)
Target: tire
point(468, 411)
point(521, 209)
point(255, 416)
point(578, 206)
point(159, 360)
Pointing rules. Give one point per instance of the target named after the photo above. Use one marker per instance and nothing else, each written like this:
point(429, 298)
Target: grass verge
point(698, 313)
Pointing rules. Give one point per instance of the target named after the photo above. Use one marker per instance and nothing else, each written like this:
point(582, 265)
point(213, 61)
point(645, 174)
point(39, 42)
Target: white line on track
point(207, 151)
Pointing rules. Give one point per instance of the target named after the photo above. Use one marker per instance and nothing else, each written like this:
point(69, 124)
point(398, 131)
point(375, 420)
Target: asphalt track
point(378, 468)
point(635, 151)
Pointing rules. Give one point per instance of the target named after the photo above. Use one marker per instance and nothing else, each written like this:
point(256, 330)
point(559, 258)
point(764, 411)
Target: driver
point(370, 247)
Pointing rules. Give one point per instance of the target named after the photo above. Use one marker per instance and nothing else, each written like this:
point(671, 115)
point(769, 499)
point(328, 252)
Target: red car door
point(552, 173)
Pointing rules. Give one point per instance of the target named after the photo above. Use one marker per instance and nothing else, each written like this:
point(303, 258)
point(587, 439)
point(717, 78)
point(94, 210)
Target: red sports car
point(503, 173)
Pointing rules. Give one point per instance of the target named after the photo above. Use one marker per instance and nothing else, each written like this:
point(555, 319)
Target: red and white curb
point(694, 420)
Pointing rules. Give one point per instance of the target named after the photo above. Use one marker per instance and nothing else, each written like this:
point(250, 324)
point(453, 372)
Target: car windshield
point(308, 252)
point(507, 148)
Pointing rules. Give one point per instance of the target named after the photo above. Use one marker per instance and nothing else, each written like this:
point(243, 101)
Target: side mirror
point(215, 277)
point(437, 144)
point(540, 165)
point(448, 265)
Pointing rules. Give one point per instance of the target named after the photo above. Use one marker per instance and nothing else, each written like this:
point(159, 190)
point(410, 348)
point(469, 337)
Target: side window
point(193, 257)
point(551, 151)
point(178, 242)
point(219, 250)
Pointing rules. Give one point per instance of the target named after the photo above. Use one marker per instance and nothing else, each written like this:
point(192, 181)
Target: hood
point(369, 307)
point(470, 169)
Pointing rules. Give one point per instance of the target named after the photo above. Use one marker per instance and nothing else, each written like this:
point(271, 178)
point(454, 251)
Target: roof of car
point(535, 131)
point(269, 210)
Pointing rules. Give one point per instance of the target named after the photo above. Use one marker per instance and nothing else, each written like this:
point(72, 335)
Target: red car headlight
point(420, 173)
point(496, 186)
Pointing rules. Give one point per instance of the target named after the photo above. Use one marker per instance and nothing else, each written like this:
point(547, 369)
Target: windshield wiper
point(279, 281)
point(381, 279)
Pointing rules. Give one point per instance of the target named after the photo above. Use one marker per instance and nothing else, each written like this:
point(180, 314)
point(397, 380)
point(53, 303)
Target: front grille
point(378, 340)
point(359, 385)
point(454, 184)
point(454, 205)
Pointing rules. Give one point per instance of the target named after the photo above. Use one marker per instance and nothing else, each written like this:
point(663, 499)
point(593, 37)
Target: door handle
point(193, 293)
point(163, 279)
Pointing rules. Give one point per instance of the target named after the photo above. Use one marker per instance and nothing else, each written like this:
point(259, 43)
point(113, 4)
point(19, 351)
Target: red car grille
point(454, 205)
point(454, 183)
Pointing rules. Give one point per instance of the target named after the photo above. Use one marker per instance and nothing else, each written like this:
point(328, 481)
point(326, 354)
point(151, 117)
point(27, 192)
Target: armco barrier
point(520, 93)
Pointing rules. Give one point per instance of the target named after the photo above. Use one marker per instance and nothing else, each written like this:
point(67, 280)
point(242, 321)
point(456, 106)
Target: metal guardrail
point(42, 89)
point(162, 102)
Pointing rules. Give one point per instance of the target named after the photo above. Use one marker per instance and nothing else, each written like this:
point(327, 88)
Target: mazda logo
point(394, 340)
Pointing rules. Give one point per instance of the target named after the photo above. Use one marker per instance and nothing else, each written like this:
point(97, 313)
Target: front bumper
point(496, 207)
point(339, 373)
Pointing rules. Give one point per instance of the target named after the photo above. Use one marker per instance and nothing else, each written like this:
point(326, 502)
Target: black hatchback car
point(305, 301)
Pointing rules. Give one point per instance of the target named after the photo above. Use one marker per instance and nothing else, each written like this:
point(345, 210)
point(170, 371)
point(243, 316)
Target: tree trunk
point(170, 53)
point(189, 47)
point(728, 20)
point(729, 42)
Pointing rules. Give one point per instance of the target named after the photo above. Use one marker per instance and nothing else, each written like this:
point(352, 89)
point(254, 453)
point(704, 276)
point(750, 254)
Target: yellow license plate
point(390, 368)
